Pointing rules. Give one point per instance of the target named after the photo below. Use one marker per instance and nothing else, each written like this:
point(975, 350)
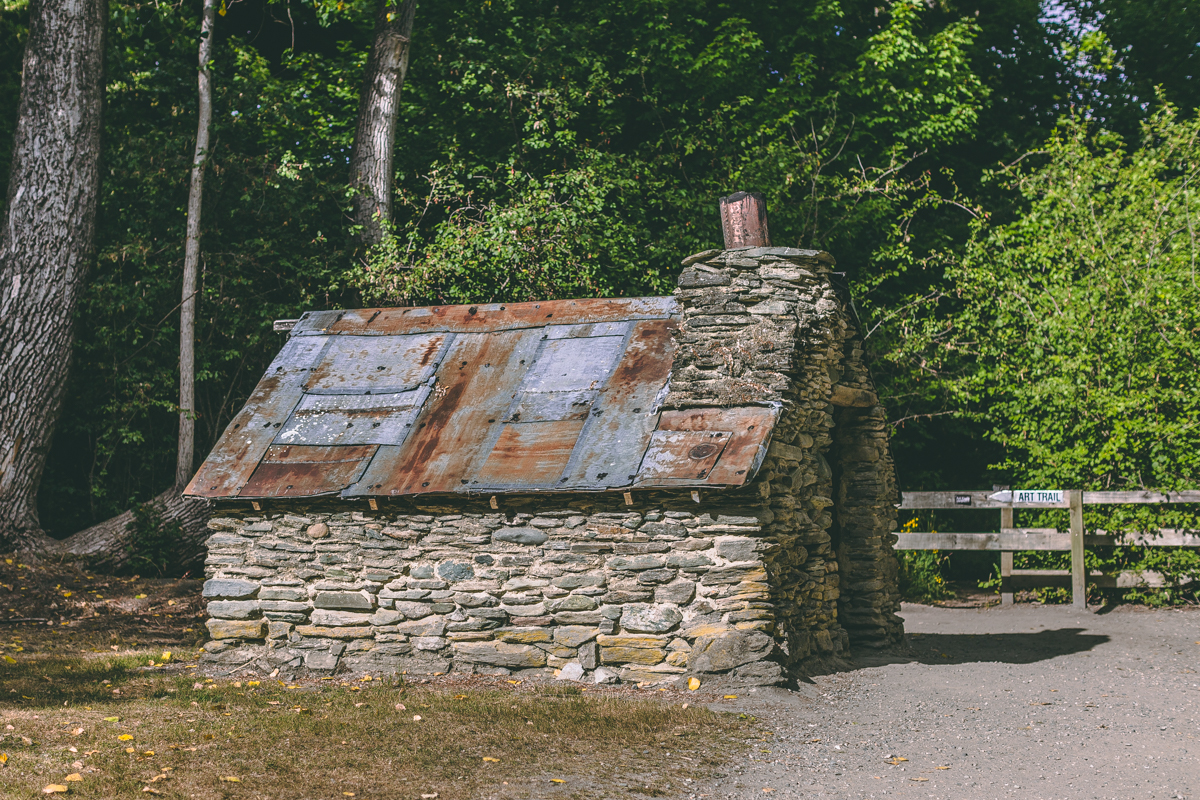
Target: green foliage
point(922, 575)
point(151, 541)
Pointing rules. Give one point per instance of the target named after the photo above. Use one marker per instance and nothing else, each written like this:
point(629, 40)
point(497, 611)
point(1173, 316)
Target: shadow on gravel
point(1005, 648)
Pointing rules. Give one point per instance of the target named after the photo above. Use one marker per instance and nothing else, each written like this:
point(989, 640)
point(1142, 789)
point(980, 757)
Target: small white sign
point(1038, 496)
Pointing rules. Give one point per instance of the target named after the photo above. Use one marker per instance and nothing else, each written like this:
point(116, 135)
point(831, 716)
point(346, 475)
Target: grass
point(194, 737)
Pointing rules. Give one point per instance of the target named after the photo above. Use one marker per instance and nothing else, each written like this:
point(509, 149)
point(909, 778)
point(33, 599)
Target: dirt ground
point(1024, 701)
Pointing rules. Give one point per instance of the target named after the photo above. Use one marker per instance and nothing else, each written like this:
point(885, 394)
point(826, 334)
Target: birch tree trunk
point(191, 261)
point(46, 243)
point(378, 106)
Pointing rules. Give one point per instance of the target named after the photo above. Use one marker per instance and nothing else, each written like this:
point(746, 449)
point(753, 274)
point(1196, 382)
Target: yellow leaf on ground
point(128, 749)
point(148, 753)
point(231, 779)
point(150, 790)
point(943, 768)
point(54, 788)
point(693, 684)
point(3, 759)
point(10, 659)
point(895, 760)
point(112, 719)
point(347, 794)
point(493, 760)
point(74, 776)
point(252, 683)
point(731, 697)
point(125, 737)
point(557, 780)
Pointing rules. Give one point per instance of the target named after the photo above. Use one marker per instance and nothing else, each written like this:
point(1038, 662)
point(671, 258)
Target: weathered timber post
point(744, 220)
point(1006, 556)
point(1078, 570)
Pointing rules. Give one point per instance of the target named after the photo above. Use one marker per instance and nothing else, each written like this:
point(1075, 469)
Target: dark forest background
point(1006, 184)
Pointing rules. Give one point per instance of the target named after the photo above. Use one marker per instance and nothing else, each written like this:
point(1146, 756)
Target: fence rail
point(1011, 539)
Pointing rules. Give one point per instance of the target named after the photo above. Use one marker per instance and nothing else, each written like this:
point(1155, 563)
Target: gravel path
point(1025, 701)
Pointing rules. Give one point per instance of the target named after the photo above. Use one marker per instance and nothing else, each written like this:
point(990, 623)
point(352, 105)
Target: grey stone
point(589, 655)
point(228, 589)
point(454, 571)
point(604, 675)
point(282, 593)
point(338, 619)
point(320, 661)
point(680, 593)
point(650, 618)
point(571, 672)
point(412, 610)
point(350, 601)
point(526, 536)
point(652, 576)
point(501, 654)
point(233, 609)
point(386, 616)
point(736, 548)
point(722, 652)
point(572, 602)
point(634, 563)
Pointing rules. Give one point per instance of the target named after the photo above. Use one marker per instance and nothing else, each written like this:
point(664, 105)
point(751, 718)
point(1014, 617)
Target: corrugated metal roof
point(557, 396)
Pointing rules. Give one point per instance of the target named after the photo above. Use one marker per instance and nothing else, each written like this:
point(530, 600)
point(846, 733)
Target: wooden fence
point(1010, 539)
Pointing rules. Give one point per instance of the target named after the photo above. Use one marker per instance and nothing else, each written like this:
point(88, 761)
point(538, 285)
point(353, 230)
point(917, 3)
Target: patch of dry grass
point(191, 737)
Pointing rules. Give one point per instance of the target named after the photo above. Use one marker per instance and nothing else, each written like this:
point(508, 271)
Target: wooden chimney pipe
point(744, 220)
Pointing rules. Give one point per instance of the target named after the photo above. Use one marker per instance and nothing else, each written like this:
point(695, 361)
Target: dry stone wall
point(649, 592)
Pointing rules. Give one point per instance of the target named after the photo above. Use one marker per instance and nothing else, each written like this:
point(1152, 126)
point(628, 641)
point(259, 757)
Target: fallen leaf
point(730, 697)
point(895, 760)
point(197, 685)
point(3, 759)
point(460, 697)
point(359, 705)
point(401, 707)
point(125, 737)
point(128, 749)
point(54, 788)
point(10, 659)
point(25, 740)
point(112, 719)
point(693, 684)
point(77, 731)
point(493, 760)
point(273, 702)
point(347, 794)
point(74, 776)
point(919, 780)
point(148, 753)
point(767, 789)
point(253, 683)
point(943, 768)
point(231, 779)
point(416, 717)
point(429, 796)
point(150, 790)
point(557, 780)
point(515, 683)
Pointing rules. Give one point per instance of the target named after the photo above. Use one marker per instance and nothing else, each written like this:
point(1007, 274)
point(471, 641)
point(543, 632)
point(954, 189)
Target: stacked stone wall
point(651, 592)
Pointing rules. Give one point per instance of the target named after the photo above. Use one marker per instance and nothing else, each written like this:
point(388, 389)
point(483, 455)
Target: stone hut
point(642, 489)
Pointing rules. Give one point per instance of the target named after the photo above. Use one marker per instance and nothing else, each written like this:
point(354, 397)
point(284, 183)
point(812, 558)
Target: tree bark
point(378, 107)
point(46, 243)
point(191, 261)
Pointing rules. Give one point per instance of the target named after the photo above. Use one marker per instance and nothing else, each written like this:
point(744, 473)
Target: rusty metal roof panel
point(553, 396)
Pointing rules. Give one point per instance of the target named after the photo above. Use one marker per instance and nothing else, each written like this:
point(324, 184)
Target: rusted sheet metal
point(475, 387)
point(681, 458)
point(750, 428)
point(557, 396)
point(484, 317)
point(530, 455)
point(306, 471)
point(376, 364)
point(249, 434)
point(611, 447)
point(353, 419)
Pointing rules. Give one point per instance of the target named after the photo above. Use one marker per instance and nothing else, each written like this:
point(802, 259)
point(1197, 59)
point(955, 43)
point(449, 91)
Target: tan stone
point(632, 655)
point(237, 628)
point(574, 635)
point(318, 531)
point(633, 640)
point(677, 658)
point(705, 630)
point(524, 635)
point(320, 631)
point(501, 654)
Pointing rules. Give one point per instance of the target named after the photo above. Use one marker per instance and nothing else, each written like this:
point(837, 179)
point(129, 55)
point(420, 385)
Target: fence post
point(1078, 570)
point(1006, 556)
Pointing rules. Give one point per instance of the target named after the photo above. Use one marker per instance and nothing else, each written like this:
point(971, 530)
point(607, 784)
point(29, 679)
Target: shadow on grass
point(119, 726)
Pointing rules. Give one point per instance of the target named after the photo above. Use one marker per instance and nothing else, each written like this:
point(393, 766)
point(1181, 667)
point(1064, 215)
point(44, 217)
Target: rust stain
point(501, 316)
point(531, 454)
point(749, 428)
point(306, 471)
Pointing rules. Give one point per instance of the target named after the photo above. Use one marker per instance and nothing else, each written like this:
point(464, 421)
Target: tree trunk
point(106, 546)
point(378, 106)
point(46, 243)
point(191, 261)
